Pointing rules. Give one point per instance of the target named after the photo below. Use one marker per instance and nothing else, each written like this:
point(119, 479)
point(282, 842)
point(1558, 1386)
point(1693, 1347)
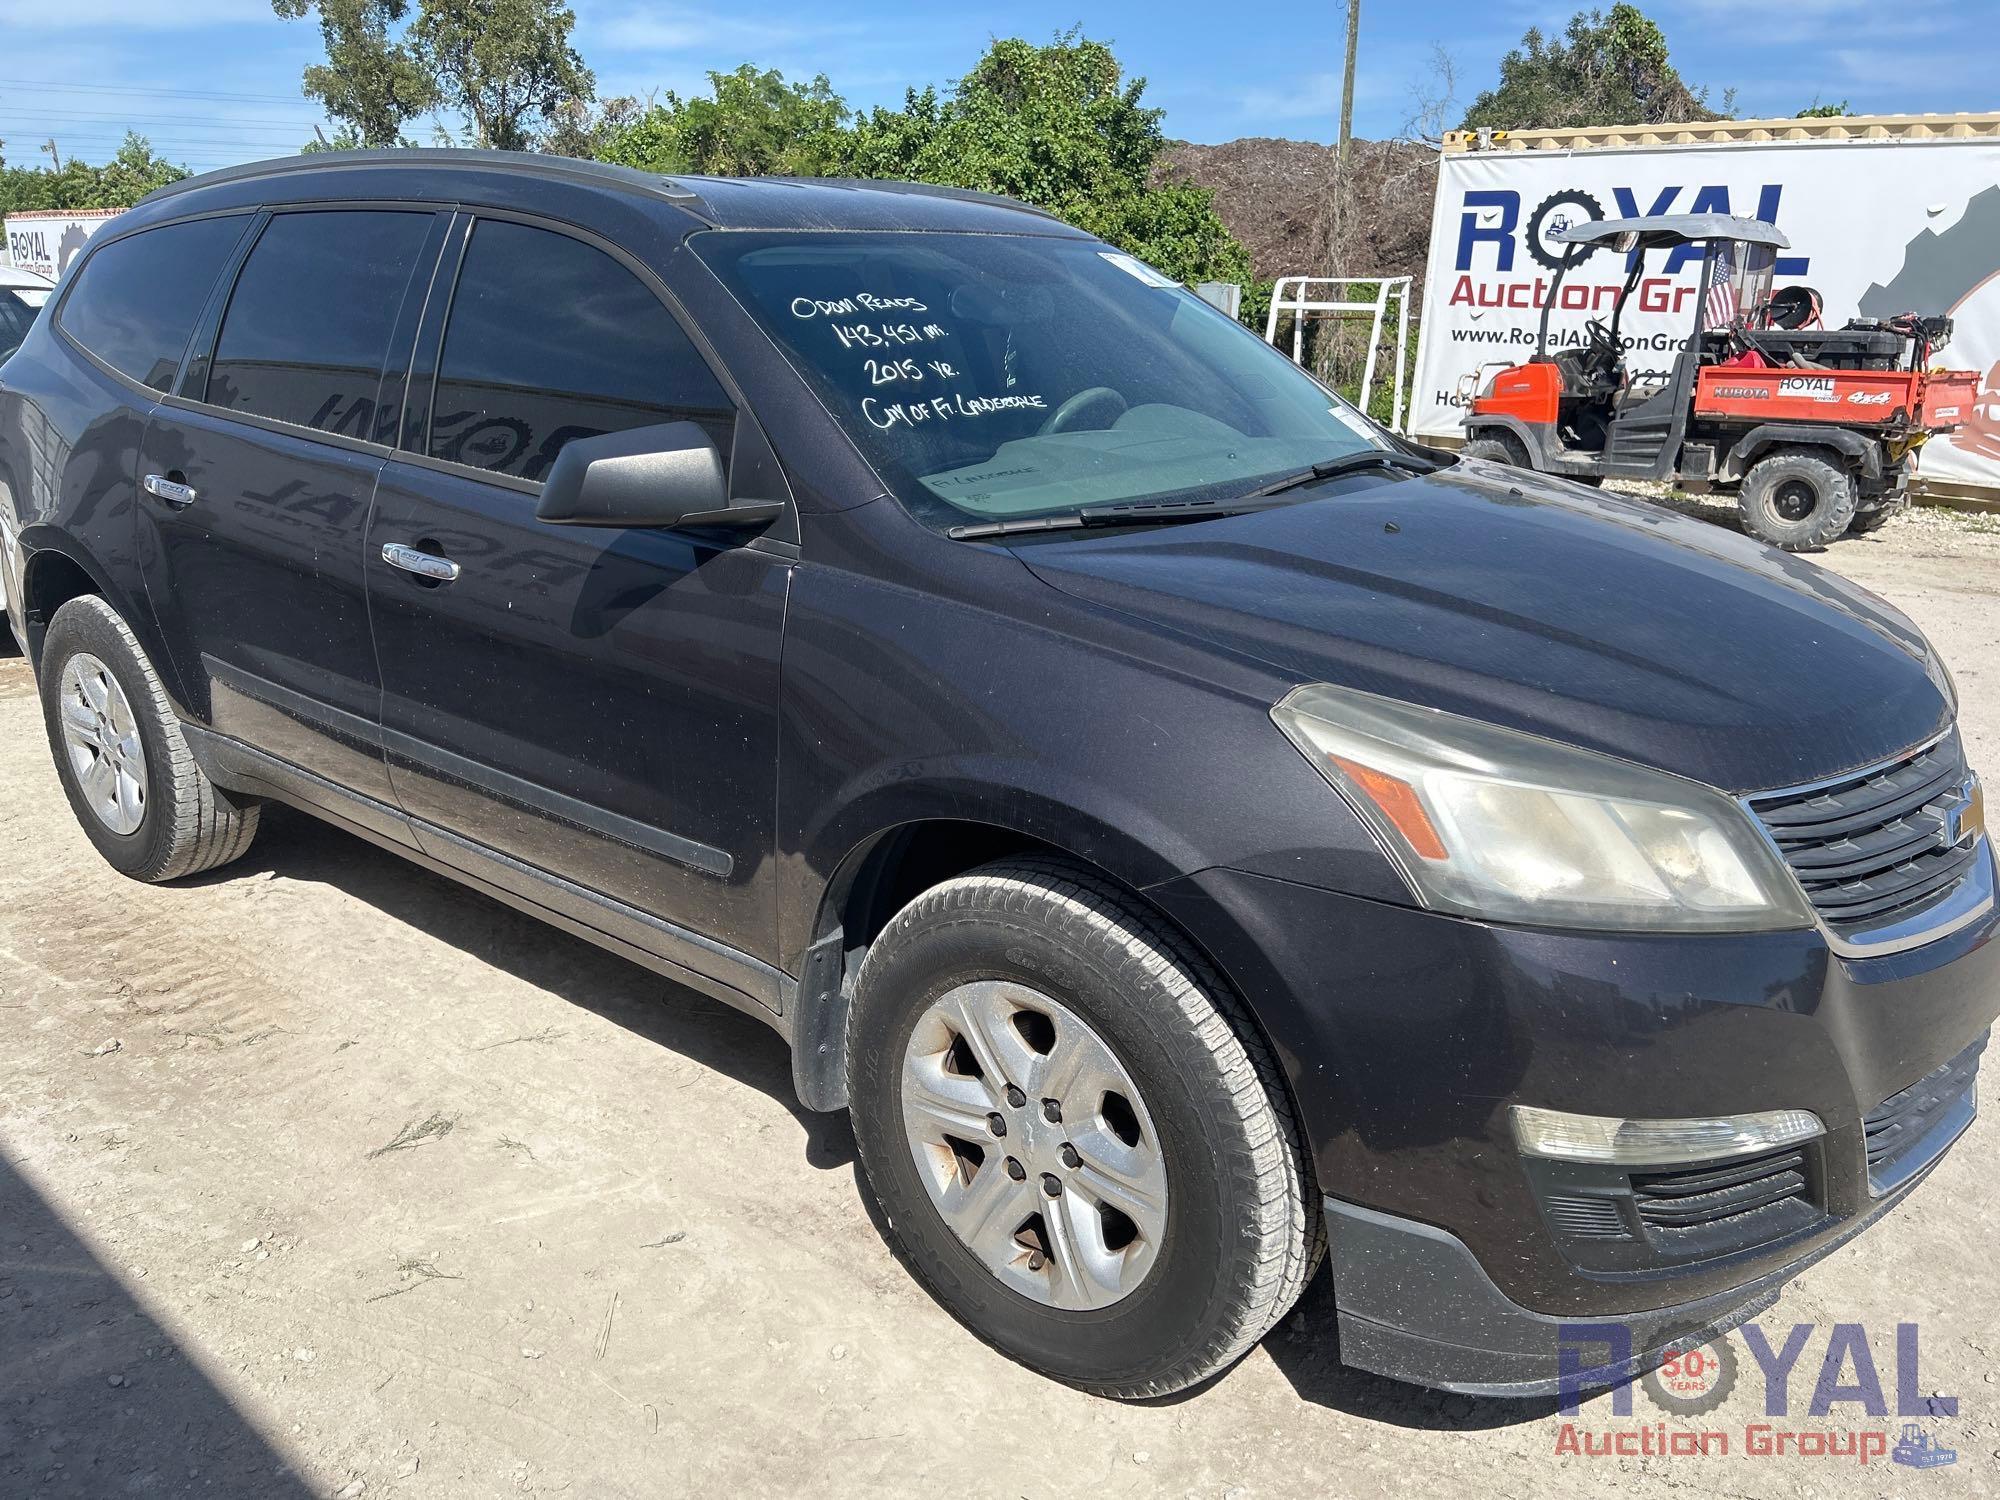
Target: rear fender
point(39, 546)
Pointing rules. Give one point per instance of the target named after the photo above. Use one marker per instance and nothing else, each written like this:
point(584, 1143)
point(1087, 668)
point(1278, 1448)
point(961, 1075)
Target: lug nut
point(1015, 1098)
point(1069, 1156)
point(1052, 1111)
point(1050, 1185)
point(996, 1124)
point(1015, 1170)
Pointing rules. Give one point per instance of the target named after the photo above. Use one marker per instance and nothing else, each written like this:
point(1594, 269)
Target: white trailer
point(45, 241)
point(1886, 214)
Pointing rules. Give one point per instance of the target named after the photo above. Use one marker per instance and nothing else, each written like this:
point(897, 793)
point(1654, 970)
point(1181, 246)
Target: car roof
point(31, 281)
point(1658, 230)
point(719, 202)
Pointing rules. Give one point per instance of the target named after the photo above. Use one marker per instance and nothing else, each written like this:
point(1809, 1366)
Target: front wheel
point(1081, 1141)
point(1798, 498)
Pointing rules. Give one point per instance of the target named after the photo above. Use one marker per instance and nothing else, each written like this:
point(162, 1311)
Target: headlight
point(1488, 822)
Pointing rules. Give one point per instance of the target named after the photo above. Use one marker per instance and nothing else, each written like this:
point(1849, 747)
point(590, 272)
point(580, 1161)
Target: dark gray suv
point(1195, 833)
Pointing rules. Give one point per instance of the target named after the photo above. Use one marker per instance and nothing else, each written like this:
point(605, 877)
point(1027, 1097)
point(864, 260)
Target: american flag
point(1721, 287)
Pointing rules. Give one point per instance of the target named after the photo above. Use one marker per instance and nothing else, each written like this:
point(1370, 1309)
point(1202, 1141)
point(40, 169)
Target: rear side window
point(308, 323)
point(136, 300)
point(551, 340)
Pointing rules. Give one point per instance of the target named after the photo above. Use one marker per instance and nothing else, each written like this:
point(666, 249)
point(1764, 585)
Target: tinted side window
point(309, 320)
point(551, 340)
point(136, 300)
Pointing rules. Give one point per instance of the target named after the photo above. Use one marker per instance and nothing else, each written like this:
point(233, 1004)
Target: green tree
point(506, 65)
point(1819, 111)
point(121, 182)
point(371, 81)
point(1058, 126)
point(1607, 68)
point(752, 124)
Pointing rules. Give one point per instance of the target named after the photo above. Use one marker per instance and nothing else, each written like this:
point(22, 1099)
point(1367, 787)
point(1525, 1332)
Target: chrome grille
point(1878, 845)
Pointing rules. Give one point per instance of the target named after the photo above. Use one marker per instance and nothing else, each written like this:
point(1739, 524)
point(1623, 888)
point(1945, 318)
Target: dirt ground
point(324, 1176)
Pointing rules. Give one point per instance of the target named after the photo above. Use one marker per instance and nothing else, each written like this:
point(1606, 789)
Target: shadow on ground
point(1306, 1350)
point(96, 1398)
point(688, 1023)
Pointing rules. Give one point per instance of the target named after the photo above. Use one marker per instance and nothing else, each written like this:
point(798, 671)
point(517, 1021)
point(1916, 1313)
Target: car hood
point(1602, 622)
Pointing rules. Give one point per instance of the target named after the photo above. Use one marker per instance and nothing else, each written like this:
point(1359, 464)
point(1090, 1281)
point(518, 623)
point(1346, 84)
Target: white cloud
point(661, 29)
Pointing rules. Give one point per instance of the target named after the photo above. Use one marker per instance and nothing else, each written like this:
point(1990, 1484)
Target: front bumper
point(1414, 1304)
point(1407, 1035)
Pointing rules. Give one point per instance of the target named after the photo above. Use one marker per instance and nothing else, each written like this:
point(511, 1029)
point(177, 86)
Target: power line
point(84, 117)
point(204, 137)
point(142, 88)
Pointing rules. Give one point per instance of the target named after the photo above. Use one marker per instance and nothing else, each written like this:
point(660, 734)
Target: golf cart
point(1816, 429)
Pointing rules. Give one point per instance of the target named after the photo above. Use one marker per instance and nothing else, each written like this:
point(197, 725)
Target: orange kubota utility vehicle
point(1816, 429)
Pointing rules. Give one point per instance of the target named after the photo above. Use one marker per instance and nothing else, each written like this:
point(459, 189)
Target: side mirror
point(668, 475)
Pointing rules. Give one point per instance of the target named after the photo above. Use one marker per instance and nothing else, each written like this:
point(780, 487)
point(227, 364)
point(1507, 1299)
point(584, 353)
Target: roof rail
point(684, 190)
point(534, 164)
point(915, 189)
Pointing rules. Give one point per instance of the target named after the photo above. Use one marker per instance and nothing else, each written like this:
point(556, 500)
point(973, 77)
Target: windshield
point(995, 377)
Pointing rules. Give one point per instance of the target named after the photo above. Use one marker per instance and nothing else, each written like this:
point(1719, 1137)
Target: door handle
point(426, 565)
point(175, 493)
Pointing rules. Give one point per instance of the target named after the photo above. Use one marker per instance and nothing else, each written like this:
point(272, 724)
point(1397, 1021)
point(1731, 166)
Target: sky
point(217, 81)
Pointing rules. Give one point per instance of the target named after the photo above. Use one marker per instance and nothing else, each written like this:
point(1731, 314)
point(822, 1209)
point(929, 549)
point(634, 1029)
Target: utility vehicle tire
point(1873, 520)
point(1083, 1146)
point(1798, 498)
point(1495, 450)
point(123, 761)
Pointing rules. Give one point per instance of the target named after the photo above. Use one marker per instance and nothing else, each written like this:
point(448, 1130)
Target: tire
point(182, 823)
point(1797, 498)
point(1495, 450)
point(1873, 520)
point(1234, 1230)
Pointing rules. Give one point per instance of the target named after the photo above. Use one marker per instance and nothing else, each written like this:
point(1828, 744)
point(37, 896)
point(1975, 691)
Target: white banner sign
point(1877, 228)
point(46, 242)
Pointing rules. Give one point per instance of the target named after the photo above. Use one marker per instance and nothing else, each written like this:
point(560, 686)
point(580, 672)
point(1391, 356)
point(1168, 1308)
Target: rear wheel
point(1875, 520)
point(1083, 1145)
point(1798, 498)
point(123, 761)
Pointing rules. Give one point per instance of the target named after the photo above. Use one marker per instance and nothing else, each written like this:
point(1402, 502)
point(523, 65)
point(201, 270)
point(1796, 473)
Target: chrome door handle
point(172, 491)
point(423, 564)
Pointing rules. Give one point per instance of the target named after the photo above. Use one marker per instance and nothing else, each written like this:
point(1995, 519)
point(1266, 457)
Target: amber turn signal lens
point(1399, 804)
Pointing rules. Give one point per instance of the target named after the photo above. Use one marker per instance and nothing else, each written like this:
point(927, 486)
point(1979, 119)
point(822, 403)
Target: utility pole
point(1333, 233)
point(1347, 86)
point(50, 146)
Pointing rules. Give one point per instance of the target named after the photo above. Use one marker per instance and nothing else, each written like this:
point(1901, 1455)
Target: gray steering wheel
point(1071, 412)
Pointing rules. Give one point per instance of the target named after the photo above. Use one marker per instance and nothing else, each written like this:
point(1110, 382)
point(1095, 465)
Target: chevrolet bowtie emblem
point(1961, 814)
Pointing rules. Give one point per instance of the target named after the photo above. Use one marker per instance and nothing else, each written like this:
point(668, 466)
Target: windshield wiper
point(1168, 512)
point(1347, 463)
point(1114, 513)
